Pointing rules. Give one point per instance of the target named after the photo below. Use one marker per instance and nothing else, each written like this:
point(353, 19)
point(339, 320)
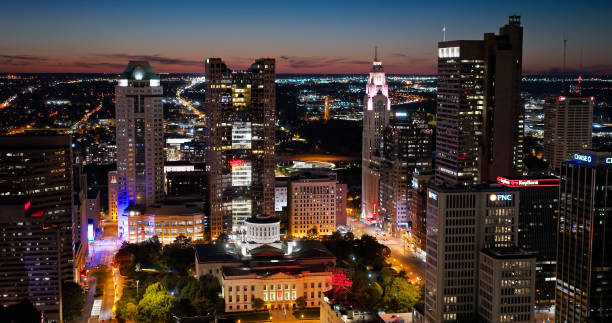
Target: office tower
point(461, 221)
point(584, 240)
point(31, 254)
point(341, 193)
point(568, 127)
point(479, 114)
point(38, 167)
point(537, 228)
point(420, 182)
point(79, 215)
point(407, 145)
point(376, 110)
point(112, 194)
point(311, 202)
point(140, 148)
point(506, 285)
point(240, 152)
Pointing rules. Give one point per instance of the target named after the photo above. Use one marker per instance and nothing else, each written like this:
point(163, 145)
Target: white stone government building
point(262, 266)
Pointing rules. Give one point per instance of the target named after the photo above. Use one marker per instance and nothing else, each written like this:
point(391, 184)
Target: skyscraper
point(479, 114)
point(140, 148)
point(407, 146)
point(376, 110)
point(37, 170)
point(461, 222)
point(537, 228)
point(568, 127)
point(240, 152)
point(584, 240)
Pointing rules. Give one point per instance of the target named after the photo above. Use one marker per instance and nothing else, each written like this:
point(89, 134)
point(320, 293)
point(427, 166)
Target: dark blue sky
point(307, 36)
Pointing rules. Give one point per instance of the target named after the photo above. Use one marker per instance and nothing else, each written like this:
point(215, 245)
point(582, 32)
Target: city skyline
point(305, 38)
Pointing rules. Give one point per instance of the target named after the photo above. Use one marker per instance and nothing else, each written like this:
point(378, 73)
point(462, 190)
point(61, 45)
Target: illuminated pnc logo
point(500, 197)
point(584, 158)
point(433, 195)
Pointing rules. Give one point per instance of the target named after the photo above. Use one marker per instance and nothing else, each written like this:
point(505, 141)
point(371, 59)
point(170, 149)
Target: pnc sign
point(433, 195)
point(500, 197)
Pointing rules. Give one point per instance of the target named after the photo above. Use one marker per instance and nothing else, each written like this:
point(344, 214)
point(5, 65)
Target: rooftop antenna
point(376, 53)
point(580, 58)
point(444, 33)
point(564, 50)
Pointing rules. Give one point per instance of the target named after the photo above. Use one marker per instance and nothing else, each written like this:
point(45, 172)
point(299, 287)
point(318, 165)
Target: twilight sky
point(304, 36)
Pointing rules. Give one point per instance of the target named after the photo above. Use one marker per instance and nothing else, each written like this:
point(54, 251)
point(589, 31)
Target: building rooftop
point(293, 268)
point(484, 187)
point(263, 218)
point(307, 174)
point(508, 253)
point(139, 70)
point(230, 252)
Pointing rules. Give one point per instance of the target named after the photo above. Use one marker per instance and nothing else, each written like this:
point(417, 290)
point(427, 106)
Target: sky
point(304, 36)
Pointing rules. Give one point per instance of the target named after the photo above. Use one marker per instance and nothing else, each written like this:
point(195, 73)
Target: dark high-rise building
point(407, 146)
point(420, 182)
point(240, 152)
point(38, 169)
point(479, 114)
point(584, 277)
point(140, 147)
point(537, 228)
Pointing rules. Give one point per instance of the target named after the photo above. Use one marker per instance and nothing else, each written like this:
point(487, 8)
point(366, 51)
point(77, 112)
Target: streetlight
point(137, 282)
point(302, 317)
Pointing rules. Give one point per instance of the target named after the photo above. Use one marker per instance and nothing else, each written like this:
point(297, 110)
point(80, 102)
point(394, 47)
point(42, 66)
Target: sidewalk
point(89, 298)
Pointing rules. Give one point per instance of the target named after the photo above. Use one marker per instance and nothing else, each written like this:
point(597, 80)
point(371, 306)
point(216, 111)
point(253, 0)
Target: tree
point(127, 310)
point(400, 295)
point(257, 303)
point(300, 302)
point(386, 276)
point(178, 256)
point(222, 238)
point(313, 233)
point(155, 305)
point(73, 300)
point(203, 306)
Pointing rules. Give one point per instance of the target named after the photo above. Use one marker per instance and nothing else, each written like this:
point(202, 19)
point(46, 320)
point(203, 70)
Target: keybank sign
point(589, 159)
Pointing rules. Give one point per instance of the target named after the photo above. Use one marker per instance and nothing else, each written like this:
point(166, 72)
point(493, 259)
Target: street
point(101, 252)
point(402, 257)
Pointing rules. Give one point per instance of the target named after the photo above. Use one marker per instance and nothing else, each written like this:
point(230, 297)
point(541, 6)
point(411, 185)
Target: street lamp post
point(137, 294)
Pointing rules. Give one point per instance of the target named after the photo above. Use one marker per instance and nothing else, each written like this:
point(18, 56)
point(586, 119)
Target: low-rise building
point(167, 222)
point(262, 266)
point(339, 306)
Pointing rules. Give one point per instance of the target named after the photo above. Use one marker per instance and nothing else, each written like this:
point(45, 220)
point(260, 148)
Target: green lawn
point(260, 316)
point(308, 313)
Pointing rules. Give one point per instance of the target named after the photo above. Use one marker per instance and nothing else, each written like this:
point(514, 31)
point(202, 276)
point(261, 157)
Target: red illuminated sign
point(374, 213)
point(27, 205)
point(38, 213)
point(538, 182)
point(340, 279)
point(236, 162)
